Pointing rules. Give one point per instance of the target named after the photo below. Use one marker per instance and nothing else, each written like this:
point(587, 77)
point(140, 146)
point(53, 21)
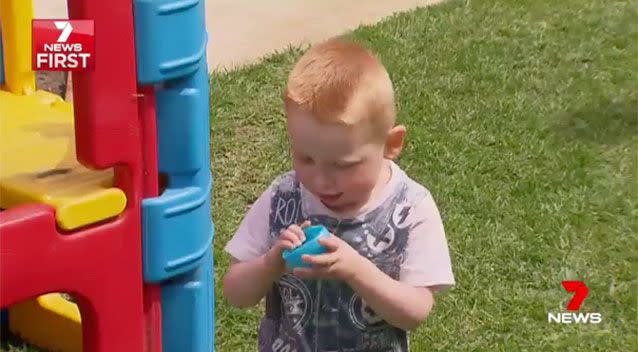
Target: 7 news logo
point(573, 315)
point(63, 45)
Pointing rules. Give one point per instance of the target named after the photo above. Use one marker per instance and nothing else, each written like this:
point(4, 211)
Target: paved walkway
point(244, 30)
point(241, 31)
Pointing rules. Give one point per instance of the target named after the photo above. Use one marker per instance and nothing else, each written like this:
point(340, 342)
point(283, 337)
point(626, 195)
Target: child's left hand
point(340, 262)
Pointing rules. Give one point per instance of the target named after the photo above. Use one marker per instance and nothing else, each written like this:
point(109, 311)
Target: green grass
point(522, 121)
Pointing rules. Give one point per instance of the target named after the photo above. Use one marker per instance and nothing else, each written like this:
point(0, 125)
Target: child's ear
point(394, 142)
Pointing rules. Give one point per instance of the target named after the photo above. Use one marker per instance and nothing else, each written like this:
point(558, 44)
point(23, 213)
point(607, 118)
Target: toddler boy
point(387, 252)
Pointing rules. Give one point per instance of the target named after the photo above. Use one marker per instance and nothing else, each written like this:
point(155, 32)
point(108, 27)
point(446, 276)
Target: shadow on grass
point(607, 122)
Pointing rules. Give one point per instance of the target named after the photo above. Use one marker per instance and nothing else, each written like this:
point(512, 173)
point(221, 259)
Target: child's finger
point(298, 232)
point(305, 224)
point(292, 237)
point(331, 243)
point(321, 259)
point(285, 244)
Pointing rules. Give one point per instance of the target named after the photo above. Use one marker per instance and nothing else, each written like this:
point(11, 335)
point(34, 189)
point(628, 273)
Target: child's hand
point(341, 262)
point(290, 238)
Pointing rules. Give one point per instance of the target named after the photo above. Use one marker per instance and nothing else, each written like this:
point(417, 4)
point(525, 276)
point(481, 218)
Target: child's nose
point(324, 182)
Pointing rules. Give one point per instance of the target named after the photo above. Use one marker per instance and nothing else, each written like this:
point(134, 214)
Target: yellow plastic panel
point(38, 163)
point(16, 16)
point(49, 322)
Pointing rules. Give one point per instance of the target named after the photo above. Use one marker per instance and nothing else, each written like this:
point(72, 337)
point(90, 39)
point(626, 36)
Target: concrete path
point(242, 31)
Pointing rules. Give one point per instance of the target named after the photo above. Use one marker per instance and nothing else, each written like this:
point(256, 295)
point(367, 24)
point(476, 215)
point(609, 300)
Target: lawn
point(522, 121)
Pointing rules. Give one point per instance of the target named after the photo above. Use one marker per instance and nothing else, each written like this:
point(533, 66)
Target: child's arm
point(398, 303)
point(246, 283)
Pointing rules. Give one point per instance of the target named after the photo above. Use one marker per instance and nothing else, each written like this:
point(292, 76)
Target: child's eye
point(306, 160)
point(347, 165)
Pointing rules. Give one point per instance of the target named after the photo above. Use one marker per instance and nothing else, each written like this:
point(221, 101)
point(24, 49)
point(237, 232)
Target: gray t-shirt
point(401, 232)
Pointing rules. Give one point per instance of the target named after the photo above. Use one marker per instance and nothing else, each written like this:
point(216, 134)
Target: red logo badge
point(63, 45)
point(580, 293)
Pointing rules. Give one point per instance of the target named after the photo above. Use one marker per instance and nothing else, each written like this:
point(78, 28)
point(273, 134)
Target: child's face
point(340, 165)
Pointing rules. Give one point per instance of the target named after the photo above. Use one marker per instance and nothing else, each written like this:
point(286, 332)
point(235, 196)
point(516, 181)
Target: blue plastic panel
point(183, 125)
point(177, 226)
point(188, 312)
point(170, 37)
point(178, 231)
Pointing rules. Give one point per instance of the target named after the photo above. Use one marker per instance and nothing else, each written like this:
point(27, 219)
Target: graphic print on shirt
point(362, 315)
point(296, 303)
point(311, 315)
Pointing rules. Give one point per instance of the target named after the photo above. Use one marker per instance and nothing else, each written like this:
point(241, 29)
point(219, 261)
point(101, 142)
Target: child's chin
point(343, 206)
point(334, 205)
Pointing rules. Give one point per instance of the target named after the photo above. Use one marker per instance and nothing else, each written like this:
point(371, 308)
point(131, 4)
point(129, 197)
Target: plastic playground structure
point(82, 209)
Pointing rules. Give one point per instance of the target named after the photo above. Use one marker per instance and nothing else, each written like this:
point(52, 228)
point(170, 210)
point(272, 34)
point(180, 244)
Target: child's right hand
point(289, 239)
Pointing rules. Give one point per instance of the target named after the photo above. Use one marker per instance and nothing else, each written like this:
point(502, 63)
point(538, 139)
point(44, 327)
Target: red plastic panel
point(100, 266)
point(105, 100)
point(152, 293)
